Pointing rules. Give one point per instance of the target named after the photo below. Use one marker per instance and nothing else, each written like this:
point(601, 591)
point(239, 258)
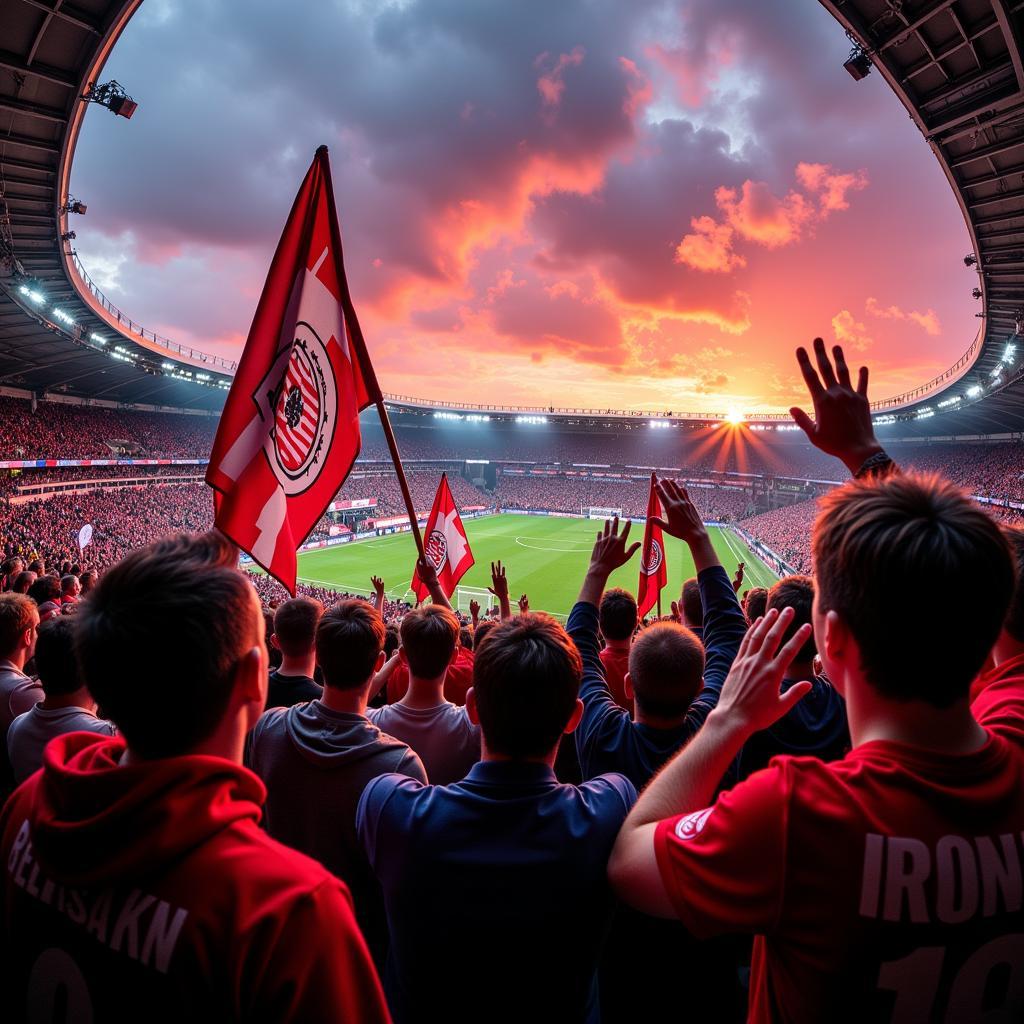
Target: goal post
point(483, 597)
point(603, 513)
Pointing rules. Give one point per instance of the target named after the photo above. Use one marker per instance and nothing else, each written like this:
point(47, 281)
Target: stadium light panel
point(65, 318)
point(167, 366)
point(37, 297)
point(98, 338)
point(974, 390)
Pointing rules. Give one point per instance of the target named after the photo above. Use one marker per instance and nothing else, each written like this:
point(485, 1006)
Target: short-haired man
point(886, 883)
point(316, 758)
point(292, 682)
point(22, 582)
point(673, 688)
point(70, 589)
point(441, 732)
point(816, 725)
point(755, 604)
point(136, 874)
point(67, 707)
point(45, 589)
point(505, 870)
point(19, 623)
point(617, 617)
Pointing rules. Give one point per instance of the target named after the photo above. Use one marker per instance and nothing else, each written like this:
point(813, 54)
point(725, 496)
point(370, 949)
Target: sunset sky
point(582, 202)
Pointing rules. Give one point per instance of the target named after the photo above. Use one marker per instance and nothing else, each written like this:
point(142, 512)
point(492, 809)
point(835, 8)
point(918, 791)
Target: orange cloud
point(928, 320)
point(754, 213)
point(831, 188)
point(850, 331)
point(551, 84)
point(709, 248)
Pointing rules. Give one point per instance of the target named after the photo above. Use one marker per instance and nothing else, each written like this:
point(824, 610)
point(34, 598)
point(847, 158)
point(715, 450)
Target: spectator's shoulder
point(270, 720)
point(612, 792)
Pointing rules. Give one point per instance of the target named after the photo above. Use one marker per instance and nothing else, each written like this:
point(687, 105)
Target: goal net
point(604, 513)
point(482, 596)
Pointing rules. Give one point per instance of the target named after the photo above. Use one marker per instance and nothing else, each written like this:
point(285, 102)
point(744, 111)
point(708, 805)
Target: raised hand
point(751, 696)
point(499, 588)
point(737, 580)
point(428, 576)
point(677, 615)
point(842, 415)
point(474, 611)
point(524, 605)
point(378, 593)
point(681, 518)
point(610, 549)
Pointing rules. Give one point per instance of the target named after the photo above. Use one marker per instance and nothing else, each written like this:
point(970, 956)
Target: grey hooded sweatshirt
point(315, 763)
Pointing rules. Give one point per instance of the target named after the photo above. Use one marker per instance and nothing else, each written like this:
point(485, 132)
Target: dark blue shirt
point(814, 727)
point(495, 889)
point(607, 738)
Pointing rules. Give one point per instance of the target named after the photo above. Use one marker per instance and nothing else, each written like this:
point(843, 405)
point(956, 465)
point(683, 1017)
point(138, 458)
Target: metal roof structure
point(956, 65)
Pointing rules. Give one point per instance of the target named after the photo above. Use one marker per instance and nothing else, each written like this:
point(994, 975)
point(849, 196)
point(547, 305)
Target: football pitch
point(544, 557)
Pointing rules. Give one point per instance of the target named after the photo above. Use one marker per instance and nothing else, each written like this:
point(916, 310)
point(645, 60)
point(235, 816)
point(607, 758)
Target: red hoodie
point(148, 892)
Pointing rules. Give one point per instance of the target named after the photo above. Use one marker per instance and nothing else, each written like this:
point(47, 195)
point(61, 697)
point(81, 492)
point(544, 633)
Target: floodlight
point(112, 96)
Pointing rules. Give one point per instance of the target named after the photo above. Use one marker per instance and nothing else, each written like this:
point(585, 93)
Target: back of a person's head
point(1014, 622)
point(295, 622)
point(391, 639)
point(921, 576)
point(693, 606)
point(349, 639)
point(526, 680)
point(617, 614)
point(38, 566)
point(796, 592)
point(18, 613)
point(55, 656)
point(87, 580)
point(23, 581)
point(481, 632)
point(755, 604)
point(167, 626)
point(666, 669)
point(430, 634)
point(466, 638)
point(45, 588)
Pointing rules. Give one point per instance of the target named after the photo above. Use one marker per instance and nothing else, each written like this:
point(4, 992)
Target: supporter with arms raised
point(881, 886)
point(503, 873)
point(439, 731)
point(67, 707)
point(315, 758)
point(137, 882)
point(666, 662)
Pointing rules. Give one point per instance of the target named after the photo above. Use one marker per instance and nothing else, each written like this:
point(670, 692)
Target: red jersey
point(882, 887)
point(456, 683)
point(148, 892)
point(616, 665)
point(997, 700)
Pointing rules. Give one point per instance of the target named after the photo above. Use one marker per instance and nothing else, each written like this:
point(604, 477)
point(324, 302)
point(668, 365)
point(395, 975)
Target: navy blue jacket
point(496, 891)
point(607, 738)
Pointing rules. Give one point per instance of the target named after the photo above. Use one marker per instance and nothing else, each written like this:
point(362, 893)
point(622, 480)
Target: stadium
point(109, 432)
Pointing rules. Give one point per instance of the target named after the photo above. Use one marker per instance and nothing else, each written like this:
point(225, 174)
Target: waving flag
point(445, 544)
point(289, 432)
point(653, 571)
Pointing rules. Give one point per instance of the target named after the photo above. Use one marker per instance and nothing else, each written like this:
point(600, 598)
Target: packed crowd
point(60, 430)
point(762, 806)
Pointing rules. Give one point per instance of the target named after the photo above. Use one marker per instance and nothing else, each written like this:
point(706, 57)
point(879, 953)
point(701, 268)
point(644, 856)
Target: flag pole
point(659, 604)
point(365, 366)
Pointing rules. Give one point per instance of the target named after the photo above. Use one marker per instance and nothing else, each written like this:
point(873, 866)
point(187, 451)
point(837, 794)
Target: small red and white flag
point(289, 433)
point(444, 543)
point(653, 571)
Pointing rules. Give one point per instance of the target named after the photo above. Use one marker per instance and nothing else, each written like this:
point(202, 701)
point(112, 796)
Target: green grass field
point(544, 557)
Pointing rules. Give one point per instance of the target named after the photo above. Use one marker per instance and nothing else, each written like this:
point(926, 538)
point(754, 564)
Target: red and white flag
point(653, 571)
point(289, 432)
point(444, 543)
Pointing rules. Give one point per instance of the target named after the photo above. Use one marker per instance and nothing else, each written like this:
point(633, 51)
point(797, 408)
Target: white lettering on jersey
point(144, 928)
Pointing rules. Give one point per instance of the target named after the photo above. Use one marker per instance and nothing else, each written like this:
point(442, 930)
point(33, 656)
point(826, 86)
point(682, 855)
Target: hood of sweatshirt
point(333, 738)
point(95, 818)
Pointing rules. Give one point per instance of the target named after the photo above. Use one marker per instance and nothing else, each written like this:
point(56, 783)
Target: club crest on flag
point(437, 549)
point(300, 401)
point(654, 559)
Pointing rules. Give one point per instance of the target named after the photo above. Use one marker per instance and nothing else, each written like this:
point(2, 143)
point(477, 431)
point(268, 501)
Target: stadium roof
point(955, 64)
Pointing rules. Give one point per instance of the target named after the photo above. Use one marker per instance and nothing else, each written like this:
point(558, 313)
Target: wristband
point(874, 465)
